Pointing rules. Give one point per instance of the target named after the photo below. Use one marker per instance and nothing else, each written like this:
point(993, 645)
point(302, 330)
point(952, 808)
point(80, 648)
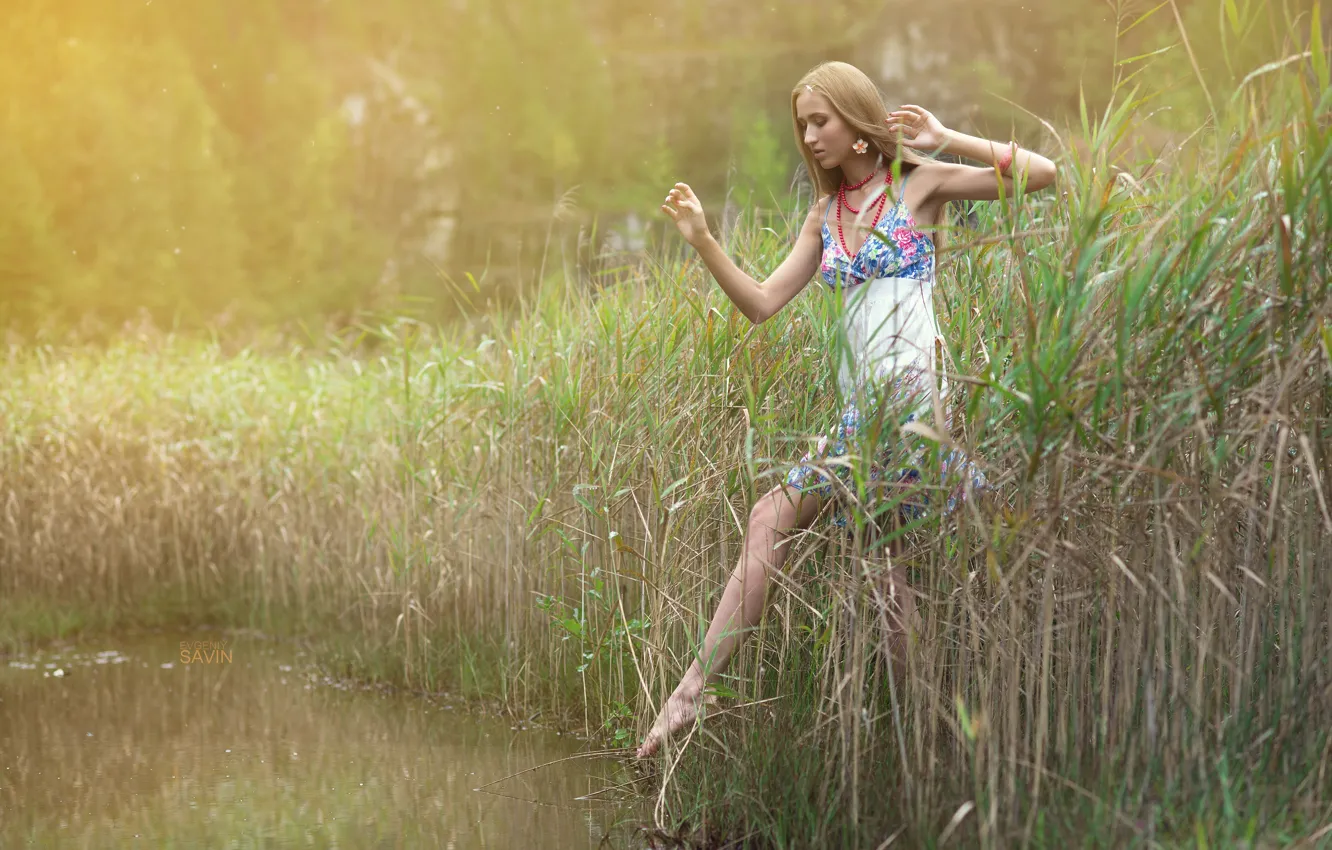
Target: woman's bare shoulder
point(815, 215)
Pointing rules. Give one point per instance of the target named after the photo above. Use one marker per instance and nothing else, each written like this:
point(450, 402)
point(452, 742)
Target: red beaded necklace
point(868, 178)
point(842, 202)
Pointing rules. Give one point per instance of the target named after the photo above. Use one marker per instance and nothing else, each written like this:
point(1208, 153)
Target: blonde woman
point(887, 358)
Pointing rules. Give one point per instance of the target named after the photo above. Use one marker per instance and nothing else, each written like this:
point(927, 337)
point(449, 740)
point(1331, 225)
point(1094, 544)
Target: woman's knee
point(784, 508)
point(895, 597)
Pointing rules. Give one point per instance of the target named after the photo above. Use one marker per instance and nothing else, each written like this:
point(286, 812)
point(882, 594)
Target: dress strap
point(828, 208)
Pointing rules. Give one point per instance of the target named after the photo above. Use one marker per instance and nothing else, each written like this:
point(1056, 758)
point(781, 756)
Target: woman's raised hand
point(685, 209)
point(917, 128)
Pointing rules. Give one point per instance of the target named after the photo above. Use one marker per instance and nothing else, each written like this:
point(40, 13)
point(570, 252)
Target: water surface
point(128, 742)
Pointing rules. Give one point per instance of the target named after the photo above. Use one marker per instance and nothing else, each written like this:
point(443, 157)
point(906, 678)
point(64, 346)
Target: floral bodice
point(908, 253)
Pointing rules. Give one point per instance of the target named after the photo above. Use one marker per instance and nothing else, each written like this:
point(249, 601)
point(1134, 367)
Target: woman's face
point(827, 136)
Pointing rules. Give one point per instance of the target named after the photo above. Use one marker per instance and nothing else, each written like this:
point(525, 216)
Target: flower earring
point(860, 146)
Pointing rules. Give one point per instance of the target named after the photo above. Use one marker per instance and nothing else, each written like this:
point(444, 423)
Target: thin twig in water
point(589, 795)
point(593, 754)
point(538, 802)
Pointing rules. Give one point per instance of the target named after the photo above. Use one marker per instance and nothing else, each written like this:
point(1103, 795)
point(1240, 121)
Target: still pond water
point(121, 743)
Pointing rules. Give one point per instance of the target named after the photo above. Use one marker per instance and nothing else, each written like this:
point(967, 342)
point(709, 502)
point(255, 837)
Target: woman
point(849, 141)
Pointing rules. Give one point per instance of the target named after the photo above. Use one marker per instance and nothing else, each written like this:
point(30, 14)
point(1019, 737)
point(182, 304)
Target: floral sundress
point(907, 255)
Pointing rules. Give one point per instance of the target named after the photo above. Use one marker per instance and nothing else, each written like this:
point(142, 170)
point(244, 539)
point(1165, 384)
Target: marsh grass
point(1127, 645)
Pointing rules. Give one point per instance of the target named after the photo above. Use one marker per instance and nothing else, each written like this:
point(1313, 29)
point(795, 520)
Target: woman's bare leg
point(774, 515)
point(896, 600)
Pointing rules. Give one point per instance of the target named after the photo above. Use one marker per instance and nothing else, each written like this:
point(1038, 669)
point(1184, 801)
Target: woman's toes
point(675, 715)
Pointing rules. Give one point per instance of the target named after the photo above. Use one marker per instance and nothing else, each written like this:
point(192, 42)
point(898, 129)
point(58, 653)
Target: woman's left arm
point(920, 130)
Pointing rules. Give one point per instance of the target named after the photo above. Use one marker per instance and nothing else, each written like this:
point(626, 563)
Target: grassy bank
point(1127, 646)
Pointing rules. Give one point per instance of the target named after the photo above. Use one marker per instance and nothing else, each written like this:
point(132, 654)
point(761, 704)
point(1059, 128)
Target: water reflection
point(124, 742)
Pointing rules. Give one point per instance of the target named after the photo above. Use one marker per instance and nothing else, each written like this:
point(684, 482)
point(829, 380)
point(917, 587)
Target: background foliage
point(303, 161)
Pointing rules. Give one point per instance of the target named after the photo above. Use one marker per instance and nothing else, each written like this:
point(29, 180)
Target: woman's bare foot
point(678, 712)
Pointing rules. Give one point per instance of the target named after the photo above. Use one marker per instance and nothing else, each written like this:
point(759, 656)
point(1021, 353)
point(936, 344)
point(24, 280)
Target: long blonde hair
point(859, 103)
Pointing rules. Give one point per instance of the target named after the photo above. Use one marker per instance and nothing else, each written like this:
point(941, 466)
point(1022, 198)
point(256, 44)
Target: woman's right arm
point(757, 301)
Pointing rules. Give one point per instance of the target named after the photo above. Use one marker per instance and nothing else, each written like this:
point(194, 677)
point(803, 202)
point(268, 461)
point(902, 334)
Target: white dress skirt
point(887, 355)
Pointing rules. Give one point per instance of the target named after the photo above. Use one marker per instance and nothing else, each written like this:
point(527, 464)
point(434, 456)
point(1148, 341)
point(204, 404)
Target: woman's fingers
point(681, 200)
point(682, 190)
point(904, 136)
point(919, 114)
